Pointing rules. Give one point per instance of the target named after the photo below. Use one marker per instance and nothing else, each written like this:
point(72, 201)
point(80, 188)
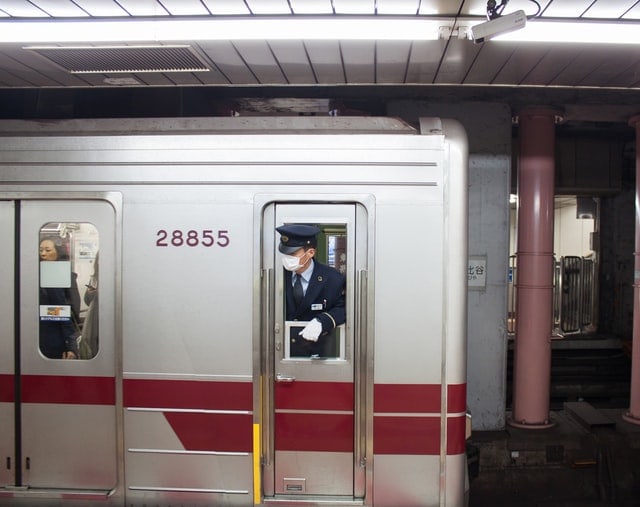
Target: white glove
point(311, 331)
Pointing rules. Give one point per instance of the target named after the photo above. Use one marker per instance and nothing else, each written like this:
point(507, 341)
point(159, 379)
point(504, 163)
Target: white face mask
point(291, 262)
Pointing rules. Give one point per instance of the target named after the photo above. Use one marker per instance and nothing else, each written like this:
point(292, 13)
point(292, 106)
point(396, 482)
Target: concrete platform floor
point(582, 461)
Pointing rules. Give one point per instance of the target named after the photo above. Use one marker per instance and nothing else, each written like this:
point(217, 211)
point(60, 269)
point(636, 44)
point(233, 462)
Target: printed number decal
point(205, 237)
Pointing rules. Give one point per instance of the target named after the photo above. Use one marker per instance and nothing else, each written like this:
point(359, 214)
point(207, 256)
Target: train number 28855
point(205, 237)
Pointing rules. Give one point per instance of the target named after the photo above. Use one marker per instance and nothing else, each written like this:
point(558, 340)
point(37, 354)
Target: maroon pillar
point(633, 415)
point(534, 308)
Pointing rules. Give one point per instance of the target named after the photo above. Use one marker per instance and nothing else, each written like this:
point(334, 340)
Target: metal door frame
point(264, 359)
point(9, 439)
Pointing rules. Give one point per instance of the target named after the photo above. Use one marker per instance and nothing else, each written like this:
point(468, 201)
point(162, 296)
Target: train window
point(336, 244)
point(325, 303)
point(68, 292)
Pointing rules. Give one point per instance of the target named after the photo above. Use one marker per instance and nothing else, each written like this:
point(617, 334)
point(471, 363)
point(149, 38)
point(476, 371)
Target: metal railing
point(574, 295)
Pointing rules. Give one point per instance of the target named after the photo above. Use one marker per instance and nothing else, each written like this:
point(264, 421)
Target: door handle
point(285, 378)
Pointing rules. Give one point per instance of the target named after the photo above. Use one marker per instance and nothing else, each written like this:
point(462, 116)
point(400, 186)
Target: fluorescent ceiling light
point(579, 31)
point(212, 29)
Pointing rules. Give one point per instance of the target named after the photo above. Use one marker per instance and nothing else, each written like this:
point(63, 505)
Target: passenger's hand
point(312, 331)
point(69, 355)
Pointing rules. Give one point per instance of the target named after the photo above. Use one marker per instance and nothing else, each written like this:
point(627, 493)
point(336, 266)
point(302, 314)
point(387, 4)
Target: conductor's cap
point(296, 236)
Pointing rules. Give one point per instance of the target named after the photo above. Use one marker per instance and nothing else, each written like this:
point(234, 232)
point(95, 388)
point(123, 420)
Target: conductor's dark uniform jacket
point(324, 300)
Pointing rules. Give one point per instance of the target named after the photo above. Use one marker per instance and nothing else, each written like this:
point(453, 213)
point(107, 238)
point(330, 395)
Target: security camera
point(498, 26)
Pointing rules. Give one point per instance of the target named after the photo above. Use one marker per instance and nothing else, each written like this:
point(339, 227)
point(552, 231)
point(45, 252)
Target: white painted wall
point(571, 235)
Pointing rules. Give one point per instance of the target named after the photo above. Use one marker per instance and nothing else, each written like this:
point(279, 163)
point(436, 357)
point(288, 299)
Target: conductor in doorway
point(315, 292)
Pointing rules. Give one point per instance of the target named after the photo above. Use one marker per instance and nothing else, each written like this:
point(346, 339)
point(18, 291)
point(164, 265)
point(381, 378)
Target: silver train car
point(178, 386)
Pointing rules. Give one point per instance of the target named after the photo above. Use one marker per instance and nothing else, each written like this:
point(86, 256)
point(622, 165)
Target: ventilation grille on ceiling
point(131, 59)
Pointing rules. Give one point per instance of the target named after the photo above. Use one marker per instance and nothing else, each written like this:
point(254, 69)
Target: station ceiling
point(600, 81)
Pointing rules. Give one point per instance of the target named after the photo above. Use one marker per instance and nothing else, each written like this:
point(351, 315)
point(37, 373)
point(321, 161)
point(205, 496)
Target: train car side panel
point(408, 346)
point(188, 345)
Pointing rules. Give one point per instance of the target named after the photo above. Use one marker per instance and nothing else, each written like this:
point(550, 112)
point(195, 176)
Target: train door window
point(331, 251)
point(68, 290)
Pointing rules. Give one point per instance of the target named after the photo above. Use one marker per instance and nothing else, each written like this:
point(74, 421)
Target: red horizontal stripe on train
point(406, 398)
point(456, 432)
point(6, 389)
point(314, 395)
point(314, 432)
point(406, 435)
point(64, 389)
point(456, 398)
point(148, 393)
point(416, 398)
point(213, 432)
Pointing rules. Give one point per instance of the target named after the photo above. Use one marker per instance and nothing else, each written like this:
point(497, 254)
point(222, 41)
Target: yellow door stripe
point(257, 487)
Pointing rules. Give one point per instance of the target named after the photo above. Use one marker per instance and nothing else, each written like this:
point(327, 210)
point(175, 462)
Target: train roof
point(216, 125)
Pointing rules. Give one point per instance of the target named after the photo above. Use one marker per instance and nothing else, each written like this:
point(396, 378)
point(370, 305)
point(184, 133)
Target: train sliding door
point(7, 333)
point(57, 377)
point(315, 424)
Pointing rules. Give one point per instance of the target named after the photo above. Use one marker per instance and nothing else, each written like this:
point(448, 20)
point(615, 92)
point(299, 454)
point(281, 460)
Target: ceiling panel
point(466, 8)
point(359, 59)
point(487, 63)
point(326, 60)
point(29, 75)
point(629, 77)
point(555, 61)
point(633, 13)
point(609, 9)
point(225, 57)
point(454, 66)
point(567, 8)
point(521, 62)
point(154, 79)
point(31, 60)
point(61, 8)
point(185, 7)
point(101, 7)
point(104, 79)
point(213, 77)
point(269, 6)
point(354, 6)
point(311, 6)
point(143, 8)
point(226, 7)
point(187, 78)
point(294, 62)
point(22, 8)
point(424, 61)
point(11, 80)
point(623, 59)
point(392, 61)
point(404, 7)
point(258, 57)
point(585, 62)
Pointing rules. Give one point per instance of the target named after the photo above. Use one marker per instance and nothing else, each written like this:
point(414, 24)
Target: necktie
point(298, 293)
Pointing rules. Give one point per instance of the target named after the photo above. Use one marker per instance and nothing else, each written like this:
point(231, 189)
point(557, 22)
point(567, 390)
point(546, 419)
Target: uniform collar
point(306, 274)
